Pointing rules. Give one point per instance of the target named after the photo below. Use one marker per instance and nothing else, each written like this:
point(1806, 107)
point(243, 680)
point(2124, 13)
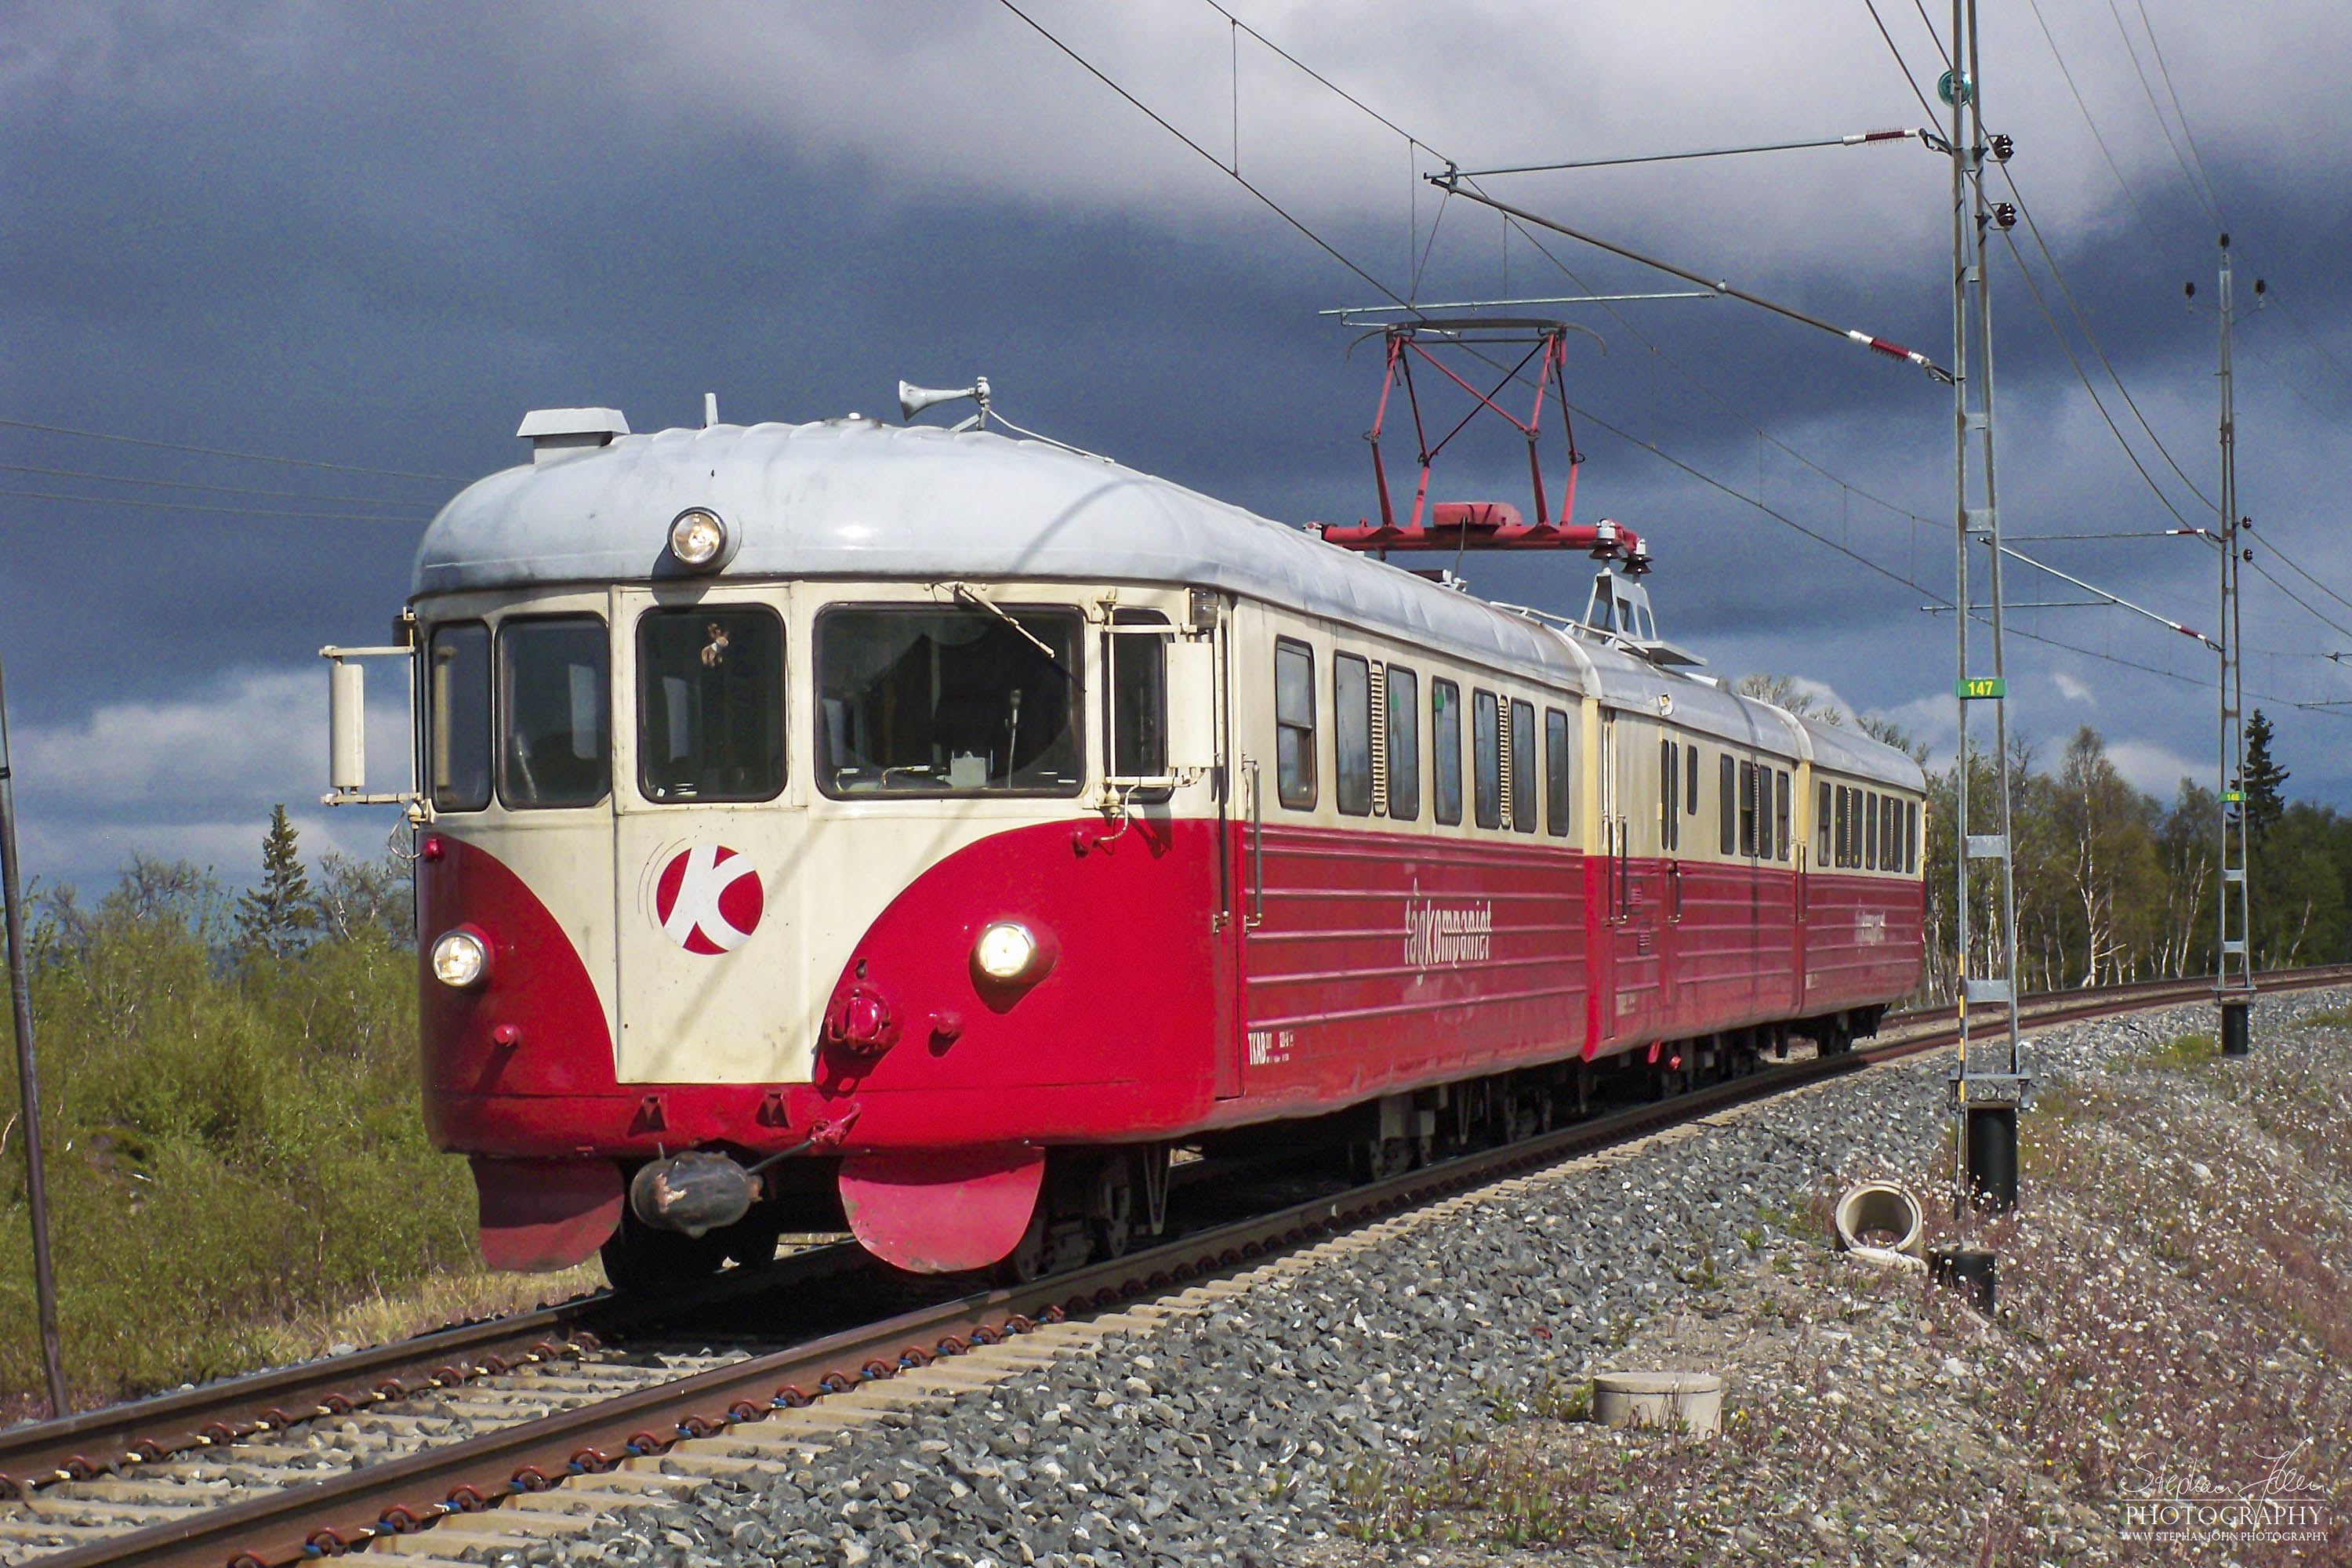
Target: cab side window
point(457, 700)
point(1294, 722)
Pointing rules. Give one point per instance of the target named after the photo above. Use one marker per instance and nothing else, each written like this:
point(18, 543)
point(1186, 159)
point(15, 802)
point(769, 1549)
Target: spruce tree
point(272, 918)
point(2265, 780)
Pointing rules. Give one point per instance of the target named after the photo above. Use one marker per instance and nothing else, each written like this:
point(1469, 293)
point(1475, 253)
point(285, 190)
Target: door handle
point(1256, 916)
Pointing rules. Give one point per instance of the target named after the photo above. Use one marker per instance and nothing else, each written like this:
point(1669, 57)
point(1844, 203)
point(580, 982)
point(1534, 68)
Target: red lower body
point(1187, 994)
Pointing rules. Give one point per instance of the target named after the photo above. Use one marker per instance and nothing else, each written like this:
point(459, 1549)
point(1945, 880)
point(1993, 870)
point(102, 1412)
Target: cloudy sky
point(370, 237)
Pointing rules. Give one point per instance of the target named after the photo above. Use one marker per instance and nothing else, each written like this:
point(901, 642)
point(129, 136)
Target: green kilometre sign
point(1982, 686)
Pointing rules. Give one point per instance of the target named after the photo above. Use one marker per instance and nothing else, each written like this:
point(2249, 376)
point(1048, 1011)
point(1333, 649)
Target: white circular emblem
point(709, 900)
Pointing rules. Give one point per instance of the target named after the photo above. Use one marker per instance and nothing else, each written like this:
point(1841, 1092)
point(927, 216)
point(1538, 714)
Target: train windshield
point(947, 701)
point(551, 707)
point(710, 704)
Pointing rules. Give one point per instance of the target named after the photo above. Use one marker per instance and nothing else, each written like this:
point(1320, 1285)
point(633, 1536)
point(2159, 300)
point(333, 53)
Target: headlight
point(1005, 950)
point(698, 539)
point(461, 958)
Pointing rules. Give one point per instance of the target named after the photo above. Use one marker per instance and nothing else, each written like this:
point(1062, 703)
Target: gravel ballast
point(1363, 1401)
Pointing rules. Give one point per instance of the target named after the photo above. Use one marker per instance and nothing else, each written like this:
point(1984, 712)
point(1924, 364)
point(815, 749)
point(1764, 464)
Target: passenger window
point(1405, 744)
point(1870, 831)
point(1670, 795)
point(1764, 841)
point(1487, 747)
point(1726, 809)
point(1137, 720)
point(1294, 721)
point(1841, 835)
point(1556, 773)
point(1748, 808)
point(1352, 735)
point(457, 698)
point(924, 701)
point(1821, 828)
point(1781, 811)
point(1911, 849)
point(554, 692)
point(1523, 767)
point(1690, 773)
point(710, 705)
point(1445, 726)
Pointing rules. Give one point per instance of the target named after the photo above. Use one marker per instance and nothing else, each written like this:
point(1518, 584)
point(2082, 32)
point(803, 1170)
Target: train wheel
point(1031, 1256)
point(1111, 1219)
point(640, 1260)
point(751, 1243)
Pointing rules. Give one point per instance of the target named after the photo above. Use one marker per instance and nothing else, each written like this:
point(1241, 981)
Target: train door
point(1627, 954)
point(1639, 905)
point(1800, 824)
point(1238, 809)
point(706, 838)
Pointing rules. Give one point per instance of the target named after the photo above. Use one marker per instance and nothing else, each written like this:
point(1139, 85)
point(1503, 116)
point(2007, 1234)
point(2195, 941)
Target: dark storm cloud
point(375, 237)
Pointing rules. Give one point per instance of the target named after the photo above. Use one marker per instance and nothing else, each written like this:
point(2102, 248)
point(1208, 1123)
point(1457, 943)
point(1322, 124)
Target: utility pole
point(1988, 1087)
point(20, 998)
point(2234, 974)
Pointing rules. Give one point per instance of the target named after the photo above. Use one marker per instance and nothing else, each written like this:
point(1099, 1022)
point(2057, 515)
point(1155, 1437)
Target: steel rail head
point(357, 1506)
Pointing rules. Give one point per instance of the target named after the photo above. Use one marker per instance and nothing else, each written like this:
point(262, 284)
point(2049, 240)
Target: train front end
point(795, 852)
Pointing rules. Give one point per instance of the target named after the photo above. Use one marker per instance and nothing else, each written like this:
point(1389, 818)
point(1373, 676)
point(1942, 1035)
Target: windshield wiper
point(970, 595)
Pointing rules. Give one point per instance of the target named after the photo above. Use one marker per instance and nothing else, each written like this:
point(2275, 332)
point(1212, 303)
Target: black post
point(20, 998)
point(2237, 1037)
point(1991, 1131)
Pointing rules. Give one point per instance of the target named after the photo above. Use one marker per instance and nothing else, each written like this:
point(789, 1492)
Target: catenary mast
point(1990, 1085)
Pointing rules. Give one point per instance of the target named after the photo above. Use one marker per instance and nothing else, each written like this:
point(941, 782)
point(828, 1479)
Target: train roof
point(856, 497)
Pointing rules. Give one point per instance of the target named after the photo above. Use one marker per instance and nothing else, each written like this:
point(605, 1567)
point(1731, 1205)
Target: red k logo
point(709, 898)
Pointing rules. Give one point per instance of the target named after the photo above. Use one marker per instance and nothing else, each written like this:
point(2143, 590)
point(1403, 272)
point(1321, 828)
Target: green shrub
point(232, 1134)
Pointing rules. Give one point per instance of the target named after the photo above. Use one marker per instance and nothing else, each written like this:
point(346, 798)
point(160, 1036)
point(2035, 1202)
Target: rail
point(400, 1496)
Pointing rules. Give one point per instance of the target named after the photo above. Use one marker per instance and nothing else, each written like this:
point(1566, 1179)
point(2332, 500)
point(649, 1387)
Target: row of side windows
point(1377, 751)
point(1752, 803)
point(1867, 831)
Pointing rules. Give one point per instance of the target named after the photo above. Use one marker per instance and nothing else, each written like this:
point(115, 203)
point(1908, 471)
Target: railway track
point(502, 1434)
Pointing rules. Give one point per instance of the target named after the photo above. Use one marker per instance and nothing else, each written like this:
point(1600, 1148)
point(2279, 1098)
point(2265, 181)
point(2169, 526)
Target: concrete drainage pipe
point(1878, 1211)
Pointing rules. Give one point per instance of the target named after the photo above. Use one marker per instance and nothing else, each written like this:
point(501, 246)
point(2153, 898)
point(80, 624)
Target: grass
point(238, 1169)
point(2178, 1054)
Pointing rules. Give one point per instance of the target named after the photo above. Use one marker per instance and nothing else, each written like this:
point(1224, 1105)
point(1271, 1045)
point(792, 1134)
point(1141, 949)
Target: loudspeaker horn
point(913, 399)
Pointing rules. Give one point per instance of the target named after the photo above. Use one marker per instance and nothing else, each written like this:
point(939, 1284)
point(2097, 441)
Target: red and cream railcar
point(953, 824)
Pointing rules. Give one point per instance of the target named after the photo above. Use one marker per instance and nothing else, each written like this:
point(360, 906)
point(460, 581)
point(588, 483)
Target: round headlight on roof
point(698, 540)
point(461, 957)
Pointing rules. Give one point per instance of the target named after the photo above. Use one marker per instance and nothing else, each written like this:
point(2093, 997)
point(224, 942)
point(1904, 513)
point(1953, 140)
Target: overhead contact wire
point(1449, 181)
point(220, 452)
point(1211, 158)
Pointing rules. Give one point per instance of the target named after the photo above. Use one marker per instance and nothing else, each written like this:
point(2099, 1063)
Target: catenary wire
point(219, 452)
point(210, 489)
point(416, 521)
point(1147, 112)
point(1324, 245)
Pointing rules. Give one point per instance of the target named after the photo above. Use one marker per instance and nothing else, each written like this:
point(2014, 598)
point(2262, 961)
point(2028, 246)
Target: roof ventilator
point(557, 433)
